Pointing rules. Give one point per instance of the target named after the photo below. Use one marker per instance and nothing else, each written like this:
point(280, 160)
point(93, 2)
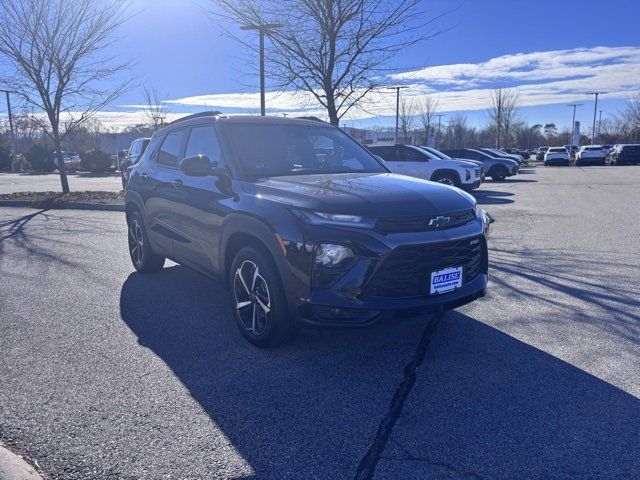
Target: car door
point(200, 204)
point(413, 162)
point(156, 178)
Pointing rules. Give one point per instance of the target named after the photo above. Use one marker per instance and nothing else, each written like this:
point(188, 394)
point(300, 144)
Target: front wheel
point(499, 174)
point(447, 179)
point(258, 300)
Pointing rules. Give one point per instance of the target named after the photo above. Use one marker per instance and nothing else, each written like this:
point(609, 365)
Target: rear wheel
point(258, 300)
point(144, 259)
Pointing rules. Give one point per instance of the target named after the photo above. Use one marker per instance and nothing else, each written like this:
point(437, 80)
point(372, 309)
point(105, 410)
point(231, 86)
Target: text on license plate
point(446, 280)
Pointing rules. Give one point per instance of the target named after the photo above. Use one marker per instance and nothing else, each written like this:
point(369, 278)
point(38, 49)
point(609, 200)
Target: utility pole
point(397, 88)
point(599, 123)
point(573, 125)
point(14, 145)
point(262, 28)
point(595, 111)
point(439, 115)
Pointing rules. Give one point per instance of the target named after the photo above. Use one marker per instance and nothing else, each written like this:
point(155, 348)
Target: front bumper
point(472, 186)
point(390, 277)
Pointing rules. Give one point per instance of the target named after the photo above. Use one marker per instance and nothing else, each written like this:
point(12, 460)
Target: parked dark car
point(496, 168)
point(303, 223)
point(624, 155)
point(132, 157)
point(540, 153)
point(494, 152)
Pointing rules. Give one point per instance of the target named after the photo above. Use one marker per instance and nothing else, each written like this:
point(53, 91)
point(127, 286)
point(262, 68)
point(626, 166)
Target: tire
point(499, 173)
point(144, 259)
point(258, 300)
point(446, 178)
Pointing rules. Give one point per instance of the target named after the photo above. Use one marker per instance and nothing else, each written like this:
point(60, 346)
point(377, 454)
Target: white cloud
point(541, 78)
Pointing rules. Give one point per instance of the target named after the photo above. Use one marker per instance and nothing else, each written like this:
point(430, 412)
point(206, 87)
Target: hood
point(365, 194)
point(466, 163)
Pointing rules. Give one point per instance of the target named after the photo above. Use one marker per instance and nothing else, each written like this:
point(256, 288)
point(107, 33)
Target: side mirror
point(201, 166)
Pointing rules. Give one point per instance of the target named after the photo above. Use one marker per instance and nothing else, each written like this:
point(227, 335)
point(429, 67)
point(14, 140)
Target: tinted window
point(289, 149)
point(388, 154)
point(170, 149)
point(151, 148)
point(203, 141)
point(410, 155)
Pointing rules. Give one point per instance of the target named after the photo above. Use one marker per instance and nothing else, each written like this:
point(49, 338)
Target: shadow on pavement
point(308, 409)
point(490, 406)
point(483, 400)
point(492, 197)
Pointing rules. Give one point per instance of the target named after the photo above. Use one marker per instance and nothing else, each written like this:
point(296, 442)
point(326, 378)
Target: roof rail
point(209, 113)
point(316, 119)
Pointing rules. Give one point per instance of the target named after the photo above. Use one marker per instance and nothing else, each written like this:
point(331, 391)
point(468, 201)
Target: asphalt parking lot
point(109, 374)
point(50, 182)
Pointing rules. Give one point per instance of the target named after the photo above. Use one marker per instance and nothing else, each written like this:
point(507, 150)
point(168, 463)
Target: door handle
point(144, 176)
point(177, 183)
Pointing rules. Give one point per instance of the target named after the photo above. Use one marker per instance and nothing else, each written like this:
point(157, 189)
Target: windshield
point(437, 153)
point(284, 149)
point(557, 150)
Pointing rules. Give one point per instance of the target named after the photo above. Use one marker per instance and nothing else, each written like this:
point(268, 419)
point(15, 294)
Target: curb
point(64, 206)
point(13, 467)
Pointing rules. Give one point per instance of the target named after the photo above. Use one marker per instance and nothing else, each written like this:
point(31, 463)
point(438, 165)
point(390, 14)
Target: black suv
point(302, 223)
point(137, 148)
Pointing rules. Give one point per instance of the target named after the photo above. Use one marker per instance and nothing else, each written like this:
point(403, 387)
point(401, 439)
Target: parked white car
point(416, 162)
point(556, 156)
point(593, 154)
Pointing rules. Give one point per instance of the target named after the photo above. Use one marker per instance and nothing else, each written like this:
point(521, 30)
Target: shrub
point(40, 158)
point(5, 157)
point(96, 161)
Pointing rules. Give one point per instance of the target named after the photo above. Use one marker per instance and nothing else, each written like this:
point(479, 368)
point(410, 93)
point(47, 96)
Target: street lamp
point(262, 28)
point(573, 124)
point(397, 88)
point(439, 115)
point(595, 110)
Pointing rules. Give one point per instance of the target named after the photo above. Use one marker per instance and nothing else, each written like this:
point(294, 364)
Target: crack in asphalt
point(367, 465)
point(413, 458)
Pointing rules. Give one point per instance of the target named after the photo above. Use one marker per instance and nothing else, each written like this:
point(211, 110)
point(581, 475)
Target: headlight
point(322, 218)
point(331, 255)
point(338, 217)
point(467, 174)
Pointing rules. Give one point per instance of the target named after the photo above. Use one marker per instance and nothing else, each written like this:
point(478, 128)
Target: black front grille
point(421, 223)
point(406, 271)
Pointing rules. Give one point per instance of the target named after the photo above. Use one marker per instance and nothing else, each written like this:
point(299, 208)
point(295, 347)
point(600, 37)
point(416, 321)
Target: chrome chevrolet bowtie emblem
point(439, 221)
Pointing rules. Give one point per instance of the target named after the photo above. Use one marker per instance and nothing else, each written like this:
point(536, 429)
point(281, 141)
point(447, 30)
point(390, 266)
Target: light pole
point(595, 110)
point(573, 125)
point(439, 115)
point(262, 28)
point(397, 88)
point(13, 136)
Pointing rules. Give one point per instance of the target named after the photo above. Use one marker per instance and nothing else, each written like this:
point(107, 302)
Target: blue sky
point(552, 51)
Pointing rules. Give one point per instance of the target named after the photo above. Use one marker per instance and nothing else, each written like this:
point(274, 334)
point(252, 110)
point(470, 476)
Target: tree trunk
point(331, 110)
point(57, 144)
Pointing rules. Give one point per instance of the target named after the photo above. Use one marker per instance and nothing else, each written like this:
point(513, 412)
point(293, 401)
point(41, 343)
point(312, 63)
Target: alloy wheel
point(136, 242)
point(446, 181)
point(252, 298)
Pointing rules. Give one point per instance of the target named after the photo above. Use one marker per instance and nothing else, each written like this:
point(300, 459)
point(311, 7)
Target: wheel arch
point(446, 172)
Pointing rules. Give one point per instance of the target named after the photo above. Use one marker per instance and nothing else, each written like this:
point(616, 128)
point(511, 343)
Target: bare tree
point(406, 118)
point(54, 48)
point(427, 110)
point(155, 108)
point(503, 112)
point(336, 51)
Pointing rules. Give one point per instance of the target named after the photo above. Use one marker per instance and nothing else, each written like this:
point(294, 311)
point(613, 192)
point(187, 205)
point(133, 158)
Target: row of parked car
point(621, 154)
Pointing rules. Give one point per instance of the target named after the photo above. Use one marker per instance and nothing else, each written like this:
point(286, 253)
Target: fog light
point(331, 255)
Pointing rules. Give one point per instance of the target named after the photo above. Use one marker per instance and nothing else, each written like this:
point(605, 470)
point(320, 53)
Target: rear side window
point(388, 154)
point(151, 148)
point(411, 155)
point(204, 141)
point(170, 149)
